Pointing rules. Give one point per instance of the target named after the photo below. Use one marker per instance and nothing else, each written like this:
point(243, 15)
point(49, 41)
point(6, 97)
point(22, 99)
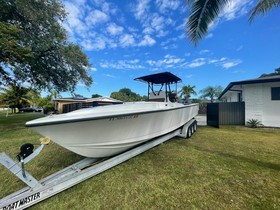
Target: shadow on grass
point(241, 158)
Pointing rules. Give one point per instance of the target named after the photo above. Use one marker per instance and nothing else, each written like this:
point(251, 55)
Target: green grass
point(228, 168)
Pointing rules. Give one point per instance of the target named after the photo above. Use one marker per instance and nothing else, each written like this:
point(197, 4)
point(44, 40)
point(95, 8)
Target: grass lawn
point(228, 168)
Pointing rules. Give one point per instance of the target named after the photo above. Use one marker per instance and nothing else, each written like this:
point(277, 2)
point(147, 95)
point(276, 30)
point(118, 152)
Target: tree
point(204, 12)
point(34, 47)
point(15, 96)
point(211, 92)
point(46, 103)
point(96, 96)
point(277, 72)
point(77, 95)
point(187, 91)
point(126, 95)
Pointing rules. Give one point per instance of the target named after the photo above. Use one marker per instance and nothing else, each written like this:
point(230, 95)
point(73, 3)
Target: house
point(261, 97)
point(63, 105)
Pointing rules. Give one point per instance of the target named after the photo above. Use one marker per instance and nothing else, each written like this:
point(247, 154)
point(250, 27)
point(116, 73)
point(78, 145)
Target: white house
point(261, 97)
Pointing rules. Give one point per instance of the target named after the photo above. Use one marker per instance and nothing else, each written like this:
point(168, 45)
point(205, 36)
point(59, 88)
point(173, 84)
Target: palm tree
point(186, 92)
point(204, 12)
point(16, 96)
point(211, 92)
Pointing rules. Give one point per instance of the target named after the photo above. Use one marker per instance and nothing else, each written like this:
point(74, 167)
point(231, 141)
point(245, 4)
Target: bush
point(254, 123)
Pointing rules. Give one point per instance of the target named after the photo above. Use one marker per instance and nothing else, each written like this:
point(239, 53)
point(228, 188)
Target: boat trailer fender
point(188, 129)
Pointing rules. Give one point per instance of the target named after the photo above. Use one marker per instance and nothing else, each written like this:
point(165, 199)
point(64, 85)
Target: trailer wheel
point(194, 126)
point(189, 134)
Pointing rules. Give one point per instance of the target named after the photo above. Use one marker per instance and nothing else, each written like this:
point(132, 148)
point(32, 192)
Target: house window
point(275, 93)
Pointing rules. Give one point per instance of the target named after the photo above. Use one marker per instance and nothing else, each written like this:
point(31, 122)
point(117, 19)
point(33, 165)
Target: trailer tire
point(189, 134)
point(194, 126)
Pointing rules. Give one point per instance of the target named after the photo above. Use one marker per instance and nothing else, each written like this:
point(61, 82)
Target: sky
point(126, 39)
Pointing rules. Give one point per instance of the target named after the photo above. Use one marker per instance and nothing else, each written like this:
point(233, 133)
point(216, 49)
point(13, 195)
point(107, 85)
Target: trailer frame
point(37, 191)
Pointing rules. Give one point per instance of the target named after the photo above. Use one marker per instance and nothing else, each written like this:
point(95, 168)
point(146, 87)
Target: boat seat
point(172, 97)
point(157, 96)
point(157, 99)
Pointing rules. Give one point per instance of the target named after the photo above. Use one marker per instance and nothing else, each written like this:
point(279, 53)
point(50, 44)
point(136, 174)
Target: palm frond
point(203, 12)
point(262, 7)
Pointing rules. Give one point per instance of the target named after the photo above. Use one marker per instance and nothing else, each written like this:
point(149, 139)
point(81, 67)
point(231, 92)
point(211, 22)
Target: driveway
point(201, 120)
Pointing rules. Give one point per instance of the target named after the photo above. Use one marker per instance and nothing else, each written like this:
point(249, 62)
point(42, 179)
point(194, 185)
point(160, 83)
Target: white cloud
point(97, 44)
point(169, 61)
point(197, 62)
point(235, 9)
point(165, 5)
point(225, 62)
point(141, 9)
point(213, 61)
point(170, 47)
point(148, 30)
point(229, 64)
point(168, 41)
point(93, 69)
point(151, 21)
point(231, 11)
point(127, 40)
point(204, 51)
point(110, 75)
point(122, 64)
point(74, 23)
point(147, 41)
point(90, 23)
point(105, 7)
point(157, 22)
point(96, 17)
point(134, 61)
point(114, 29)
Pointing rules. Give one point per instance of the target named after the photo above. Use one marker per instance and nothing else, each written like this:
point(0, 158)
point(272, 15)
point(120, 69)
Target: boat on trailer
point(179, 121)
point(109, 130)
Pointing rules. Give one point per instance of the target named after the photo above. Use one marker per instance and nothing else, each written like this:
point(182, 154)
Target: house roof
point(103, 99)
point(160, 78)
point(72, 99)
point(275, 78)
point(82, 99)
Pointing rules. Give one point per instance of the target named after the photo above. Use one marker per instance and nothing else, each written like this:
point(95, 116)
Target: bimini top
point(160, 78)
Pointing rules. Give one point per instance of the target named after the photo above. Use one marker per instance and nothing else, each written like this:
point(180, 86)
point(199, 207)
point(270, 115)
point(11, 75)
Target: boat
point(105, 131)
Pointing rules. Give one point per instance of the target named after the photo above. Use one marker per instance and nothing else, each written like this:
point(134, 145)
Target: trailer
point(37, 191)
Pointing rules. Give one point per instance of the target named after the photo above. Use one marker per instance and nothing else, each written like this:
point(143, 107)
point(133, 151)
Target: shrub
point(254, 123)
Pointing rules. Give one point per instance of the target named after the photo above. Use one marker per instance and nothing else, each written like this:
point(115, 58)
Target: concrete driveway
point(201, 120)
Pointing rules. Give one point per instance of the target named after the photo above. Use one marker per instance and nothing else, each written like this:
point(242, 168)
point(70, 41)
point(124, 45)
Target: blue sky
point(126, 39)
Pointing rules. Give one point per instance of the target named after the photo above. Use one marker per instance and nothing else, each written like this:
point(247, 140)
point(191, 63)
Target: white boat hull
point(110, 133)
